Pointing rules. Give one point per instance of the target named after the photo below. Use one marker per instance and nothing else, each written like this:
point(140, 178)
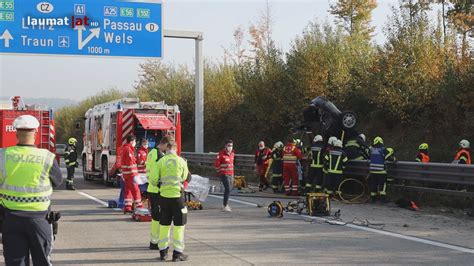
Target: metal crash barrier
point(439, 178)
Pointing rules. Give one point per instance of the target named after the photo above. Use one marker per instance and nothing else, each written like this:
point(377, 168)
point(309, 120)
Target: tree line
point(415, 87)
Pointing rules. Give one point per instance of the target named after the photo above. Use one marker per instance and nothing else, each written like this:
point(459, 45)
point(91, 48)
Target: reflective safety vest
point(377, 160)
point(152, 170)
point(423, 157)
point(291, 154)
point(317, 155)
point(464, 155)
point(224, 163)
point(172, 172)
point(24, 178)
point(70, 156)
point(336, 161)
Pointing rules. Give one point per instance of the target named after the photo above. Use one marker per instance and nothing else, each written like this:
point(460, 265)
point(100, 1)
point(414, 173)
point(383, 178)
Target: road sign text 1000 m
point(82, 27)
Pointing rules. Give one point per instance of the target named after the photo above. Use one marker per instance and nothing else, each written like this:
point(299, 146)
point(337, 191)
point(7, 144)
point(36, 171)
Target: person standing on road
point(172, 173)
point(336, 160)
point(132, 195)
point(464, 153)
point(27, 178)
point(378, 170)
point(224, 165)
point(153, 190)
point(277, 167)
point(291, 154)
point(315, 177)
point(422, 156)
point(262, 157)
point(70, 158)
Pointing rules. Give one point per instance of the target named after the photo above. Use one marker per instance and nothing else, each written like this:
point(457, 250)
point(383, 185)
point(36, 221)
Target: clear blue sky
point(77, 78)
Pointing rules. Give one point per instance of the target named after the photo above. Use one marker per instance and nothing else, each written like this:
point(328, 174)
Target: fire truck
point(10, 110)
point(107, 126)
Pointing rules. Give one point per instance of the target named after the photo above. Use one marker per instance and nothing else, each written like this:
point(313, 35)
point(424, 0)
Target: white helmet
point(278, 145)
point(332, 141)
point(362, 136)
point(465, 144)
point(25, 122)
point(338, 143)
point(318, 138)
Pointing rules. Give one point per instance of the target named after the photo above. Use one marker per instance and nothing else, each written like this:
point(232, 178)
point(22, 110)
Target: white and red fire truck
point(10, 110)
point(108, 125)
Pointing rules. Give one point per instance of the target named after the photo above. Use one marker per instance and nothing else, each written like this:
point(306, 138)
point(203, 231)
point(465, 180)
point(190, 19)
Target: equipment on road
point(107, 126)
point(240, 182)
point(141, 215)
point(9, 111)
point(318, 204)
point(275, 209)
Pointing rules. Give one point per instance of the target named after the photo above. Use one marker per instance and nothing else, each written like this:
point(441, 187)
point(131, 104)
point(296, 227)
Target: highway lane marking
point(368, 229)
point(101, 202)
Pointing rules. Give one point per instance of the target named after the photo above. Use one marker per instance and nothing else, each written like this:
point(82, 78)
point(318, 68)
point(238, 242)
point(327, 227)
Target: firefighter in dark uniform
point(316, 156)
point(27, 178)
point(70, 158)
point(277, 167)
point(356, 148)
point(336, 160)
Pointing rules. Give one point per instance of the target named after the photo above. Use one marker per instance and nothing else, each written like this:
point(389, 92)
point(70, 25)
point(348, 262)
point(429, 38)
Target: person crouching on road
point(336, 160)
point(291, 154)
point(422, 156)
point(277, 166)
point(70, 159)
point(25, 196)
point(153, 191)
point(129, 170)
point(224, 165)
point(262, 157)
point(315, 177)
point(172, 173)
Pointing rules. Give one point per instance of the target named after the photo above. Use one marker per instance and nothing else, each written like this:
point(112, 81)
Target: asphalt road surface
point(90, 233)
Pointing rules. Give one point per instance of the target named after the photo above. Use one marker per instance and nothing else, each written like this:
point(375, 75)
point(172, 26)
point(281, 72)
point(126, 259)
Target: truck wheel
point(348, 120)
point(105, 173)
point(87, 177)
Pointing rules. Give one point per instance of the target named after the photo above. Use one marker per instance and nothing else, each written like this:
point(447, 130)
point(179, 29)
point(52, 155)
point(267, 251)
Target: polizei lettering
point(25, 158)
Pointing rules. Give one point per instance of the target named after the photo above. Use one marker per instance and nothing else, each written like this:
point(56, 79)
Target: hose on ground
point(350, 198)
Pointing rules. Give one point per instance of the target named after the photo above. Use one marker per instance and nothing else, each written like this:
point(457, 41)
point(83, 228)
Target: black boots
point(153, 246)
point(70, 186)
point(178, 256)
point(164, 254)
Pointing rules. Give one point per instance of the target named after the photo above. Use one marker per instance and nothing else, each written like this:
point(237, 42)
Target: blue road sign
point(131, 28)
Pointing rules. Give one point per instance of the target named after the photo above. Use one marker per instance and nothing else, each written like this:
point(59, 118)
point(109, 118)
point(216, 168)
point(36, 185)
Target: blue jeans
point(228, 182)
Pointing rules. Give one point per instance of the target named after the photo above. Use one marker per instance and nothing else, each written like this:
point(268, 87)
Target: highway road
point(91, 234)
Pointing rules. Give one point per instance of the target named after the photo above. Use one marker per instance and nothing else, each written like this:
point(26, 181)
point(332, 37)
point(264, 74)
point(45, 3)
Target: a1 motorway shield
point(131, 28)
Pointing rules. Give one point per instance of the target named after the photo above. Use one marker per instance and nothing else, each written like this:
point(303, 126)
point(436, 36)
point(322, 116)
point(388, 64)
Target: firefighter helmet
point(362, 136)
point(27, 122)
point(278, 145)
point(465, 144)
point(332, 140)
point(423, 146)
point(72, 141)
point(318, 138)
point(338, 143)
point(378, 140)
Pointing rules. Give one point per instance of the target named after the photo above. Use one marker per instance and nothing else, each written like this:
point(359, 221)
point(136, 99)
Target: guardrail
point(441, 178)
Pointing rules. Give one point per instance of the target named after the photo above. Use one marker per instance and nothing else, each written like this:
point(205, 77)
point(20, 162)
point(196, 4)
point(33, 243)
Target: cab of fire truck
point(10, 110)
point(108, 125)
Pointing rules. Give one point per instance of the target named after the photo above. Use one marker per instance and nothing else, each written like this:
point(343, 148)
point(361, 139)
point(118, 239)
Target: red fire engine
point(46, 137)
point(108, 125)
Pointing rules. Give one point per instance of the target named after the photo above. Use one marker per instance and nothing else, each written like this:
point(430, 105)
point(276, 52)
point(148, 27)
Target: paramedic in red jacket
point(142, 154)
point(290, 171)
point(262, 157)
point(129, 171)
point(225, 166)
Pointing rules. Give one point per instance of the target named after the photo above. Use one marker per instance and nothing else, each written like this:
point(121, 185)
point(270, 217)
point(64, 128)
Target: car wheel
point(105, 173)
point(348, 120)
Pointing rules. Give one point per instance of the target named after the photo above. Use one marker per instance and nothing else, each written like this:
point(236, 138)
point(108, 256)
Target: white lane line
point(101, 202)
point(372, 230)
